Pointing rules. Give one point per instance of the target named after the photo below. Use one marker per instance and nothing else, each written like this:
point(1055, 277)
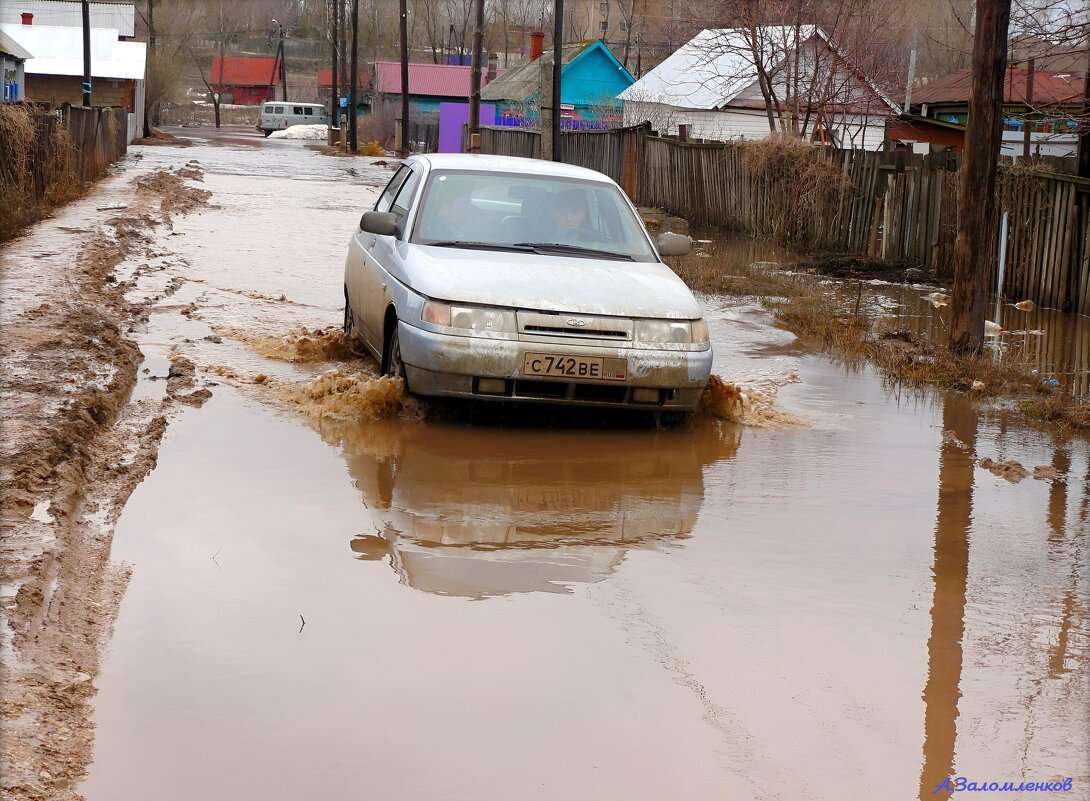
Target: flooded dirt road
point(834, 600)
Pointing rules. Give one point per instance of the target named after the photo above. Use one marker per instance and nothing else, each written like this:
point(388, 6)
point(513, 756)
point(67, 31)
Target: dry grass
point(37, 170)
point(371, 148)
point(904, 358)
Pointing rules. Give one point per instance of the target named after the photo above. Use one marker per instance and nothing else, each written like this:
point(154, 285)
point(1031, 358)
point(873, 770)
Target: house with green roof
point(591, 77)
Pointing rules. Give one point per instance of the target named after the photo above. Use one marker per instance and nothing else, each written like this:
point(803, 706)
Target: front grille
point(602, 393)
point(549, 330)
point(541, 389)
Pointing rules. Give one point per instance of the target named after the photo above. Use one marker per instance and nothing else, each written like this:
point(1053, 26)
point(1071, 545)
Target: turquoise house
point(591, 77)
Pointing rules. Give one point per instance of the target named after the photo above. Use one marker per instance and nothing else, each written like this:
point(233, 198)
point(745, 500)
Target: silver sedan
point(510, 279)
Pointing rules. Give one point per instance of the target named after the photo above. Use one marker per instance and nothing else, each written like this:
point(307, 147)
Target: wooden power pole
point(334, 87)
point(558, 65)
point(404, 32)
point(974, 249)
point(86, 53)
point(353, 128)
point(475, 73)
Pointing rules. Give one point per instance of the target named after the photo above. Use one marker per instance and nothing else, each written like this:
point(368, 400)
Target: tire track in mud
point(74, 449)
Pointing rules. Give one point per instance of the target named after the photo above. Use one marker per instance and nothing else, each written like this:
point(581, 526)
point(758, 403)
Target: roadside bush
point(37, 169)
point(799, 184)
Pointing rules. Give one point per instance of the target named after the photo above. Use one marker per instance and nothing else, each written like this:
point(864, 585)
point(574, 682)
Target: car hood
point(550, 283)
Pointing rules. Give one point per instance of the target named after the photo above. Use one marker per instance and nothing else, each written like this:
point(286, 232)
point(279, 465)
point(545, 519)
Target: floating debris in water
point(1024, 305)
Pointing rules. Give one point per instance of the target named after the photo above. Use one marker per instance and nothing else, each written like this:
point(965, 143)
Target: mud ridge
point(74, 449)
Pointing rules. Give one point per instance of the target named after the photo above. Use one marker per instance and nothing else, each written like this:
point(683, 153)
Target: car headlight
point(664, 332)
point(470, 320)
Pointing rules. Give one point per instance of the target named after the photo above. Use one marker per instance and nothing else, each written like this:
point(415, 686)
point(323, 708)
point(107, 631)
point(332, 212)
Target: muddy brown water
point(444, 610)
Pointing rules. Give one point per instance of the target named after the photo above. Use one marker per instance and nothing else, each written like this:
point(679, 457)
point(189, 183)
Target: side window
point(268, 109)
point(308, 111)
point(386, 199)
point(296, 109)
point(405, 197)
point(279, 109)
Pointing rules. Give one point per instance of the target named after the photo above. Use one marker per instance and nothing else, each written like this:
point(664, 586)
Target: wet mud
point(74, 448)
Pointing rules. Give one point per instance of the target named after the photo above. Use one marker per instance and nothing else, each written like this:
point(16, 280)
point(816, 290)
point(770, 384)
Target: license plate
point(593, 367)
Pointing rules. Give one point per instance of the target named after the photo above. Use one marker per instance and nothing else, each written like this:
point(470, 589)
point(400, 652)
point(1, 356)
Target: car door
point(369, 279)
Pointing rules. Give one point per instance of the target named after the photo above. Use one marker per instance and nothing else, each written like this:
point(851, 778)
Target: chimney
point(28, 18)
point(537, 45)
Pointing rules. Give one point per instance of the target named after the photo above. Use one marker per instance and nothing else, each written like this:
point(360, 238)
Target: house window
point(624, 26)
point(604, 8)
point(604, 25)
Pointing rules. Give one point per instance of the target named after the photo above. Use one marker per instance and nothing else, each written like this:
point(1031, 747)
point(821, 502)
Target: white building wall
point(855, 131)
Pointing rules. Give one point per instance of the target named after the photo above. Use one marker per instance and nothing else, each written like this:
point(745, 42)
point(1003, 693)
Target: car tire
point(349, 324)
point(395, 368)
point(266, 131)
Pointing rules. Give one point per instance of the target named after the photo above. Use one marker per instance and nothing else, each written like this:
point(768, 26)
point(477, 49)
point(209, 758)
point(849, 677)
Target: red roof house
point(247, 78)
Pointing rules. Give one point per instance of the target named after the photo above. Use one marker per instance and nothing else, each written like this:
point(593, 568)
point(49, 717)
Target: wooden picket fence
point(899, 206)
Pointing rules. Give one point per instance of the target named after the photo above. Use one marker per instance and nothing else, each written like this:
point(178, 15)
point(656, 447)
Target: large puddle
point(462, 609)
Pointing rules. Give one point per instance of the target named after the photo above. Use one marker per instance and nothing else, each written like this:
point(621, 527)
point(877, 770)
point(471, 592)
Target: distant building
point(429, 85)
point(69, 14)
point(711, 86)
point(591, 79)
point(1052, 111)
point(245, 80)
point(363, 84)
point(12, 59)
point(55, 74)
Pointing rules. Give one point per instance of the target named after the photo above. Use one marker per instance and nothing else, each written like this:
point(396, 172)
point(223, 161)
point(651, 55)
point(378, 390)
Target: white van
point(278, 115)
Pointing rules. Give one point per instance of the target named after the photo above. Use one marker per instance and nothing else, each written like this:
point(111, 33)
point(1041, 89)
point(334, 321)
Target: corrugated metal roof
point(716, 67)
point(436, 80)
point(13, 48)
point(67, 13)
point(59, 51)
point(244, 71)
point(1050, 89)
point(521, 82)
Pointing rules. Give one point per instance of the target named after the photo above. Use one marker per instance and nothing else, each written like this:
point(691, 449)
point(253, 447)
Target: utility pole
point(1026, 126)
point(404, 24)
point(911, 78)
point(283, 66)
point(974, 248)
point(334, 89)
point(151, 59)
point(475, 77)
point(558, 63)
point(353, 130)
point(1083, 165)
point(86, 54)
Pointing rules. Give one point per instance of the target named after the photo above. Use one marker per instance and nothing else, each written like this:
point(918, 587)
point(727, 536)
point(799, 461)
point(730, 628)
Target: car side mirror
point(670, 244)
point(383, 223)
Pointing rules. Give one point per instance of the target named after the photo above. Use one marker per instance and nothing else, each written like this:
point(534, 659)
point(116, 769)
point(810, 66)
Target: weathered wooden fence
point(99, 138)
point(899, 206)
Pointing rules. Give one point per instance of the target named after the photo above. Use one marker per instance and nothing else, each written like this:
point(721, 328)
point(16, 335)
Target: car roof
point(488, 163)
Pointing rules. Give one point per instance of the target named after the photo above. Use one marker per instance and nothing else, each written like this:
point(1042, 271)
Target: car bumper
point(453, 366)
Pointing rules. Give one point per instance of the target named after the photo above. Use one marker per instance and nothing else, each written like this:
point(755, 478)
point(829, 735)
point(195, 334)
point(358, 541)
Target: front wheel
point(266, 131)
point(395, 368)
point(349, 324)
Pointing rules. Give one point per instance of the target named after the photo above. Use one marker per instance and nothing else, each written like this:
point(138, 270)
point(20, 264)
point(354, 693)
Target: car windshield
point(552, 215)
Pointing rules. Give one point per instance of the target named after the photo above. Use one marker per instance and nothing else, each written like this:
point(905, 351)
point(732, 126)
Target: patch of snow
point(311, 132)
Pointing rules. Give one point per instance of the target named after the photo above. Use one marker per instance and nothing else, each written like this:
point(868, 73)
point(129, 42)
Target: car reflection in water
point(478, 512)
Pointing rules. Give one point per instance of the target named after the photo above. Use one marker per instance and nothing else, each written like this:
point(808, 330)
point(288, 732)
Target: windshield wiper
point(462, 243)
point(558, 247)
